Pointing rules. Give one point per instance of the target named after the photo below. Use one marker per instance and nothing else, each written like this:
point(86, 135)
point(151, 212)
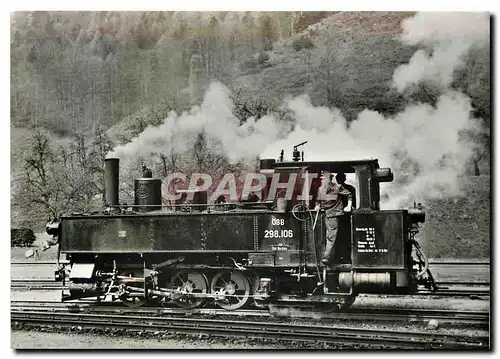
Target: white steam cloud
point(448, 37)
point(427, 147)
point(216, 120)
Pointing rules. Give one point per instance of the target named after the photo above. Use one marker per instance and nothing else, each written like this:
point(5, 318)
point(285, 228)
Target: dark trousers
point(332, 228)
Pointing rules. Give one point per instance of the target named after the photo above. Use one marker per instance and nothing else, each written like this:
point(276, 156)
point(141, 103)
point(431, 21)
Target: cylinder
point(147, 194)
point(111, 181)
point(378, 282)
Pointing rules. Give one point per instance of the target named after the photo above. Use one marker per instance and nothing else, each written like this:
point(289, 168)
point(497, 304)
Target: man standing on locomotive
point(330, 199)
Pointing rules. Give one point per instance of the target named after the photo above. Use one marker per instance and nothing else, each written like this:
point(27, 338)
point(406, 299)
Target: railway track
point(252, 329)
point(432, 262)
point(36, 284)
point(463, 283)
point(470, 318)
point(437, 262)
point(36, 262)
point(457, 291)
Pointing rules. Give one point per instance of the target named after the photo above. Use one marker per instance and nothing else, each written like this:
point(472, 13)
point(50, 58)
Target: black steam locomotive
point(245, 253)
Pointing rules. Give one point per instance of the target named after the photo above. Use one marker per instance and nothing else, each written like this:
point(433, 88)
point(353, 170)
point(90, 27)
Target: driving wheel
point(231, 289)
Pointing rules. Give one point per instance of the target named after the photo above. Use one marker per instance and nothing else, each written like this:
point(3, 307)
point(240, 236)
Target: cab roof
point(330, 166)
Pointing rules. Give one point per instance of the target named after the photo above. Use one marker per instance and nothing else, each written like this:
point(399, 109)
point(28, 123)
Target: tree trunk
point(476, 168)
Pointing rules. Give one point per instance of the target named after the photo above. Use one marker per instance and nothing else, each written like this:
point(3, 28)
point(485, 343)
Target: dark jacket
point(353, 195)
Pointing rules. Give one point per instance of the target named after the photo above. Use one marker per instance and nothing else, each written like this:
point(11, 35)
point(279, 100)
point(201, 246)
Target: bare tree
point(474, 80)
point(207, 158)
point(246, 106)
point(67, 178)
point(40, 183)
point(330, 74)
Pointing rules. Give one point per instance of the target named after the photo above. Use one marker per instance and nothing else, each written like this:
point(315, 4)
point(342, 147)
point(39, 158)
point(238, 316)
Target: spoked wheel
point(189, 282)
point(133, 302)
point(232, 289)
point(348, 302)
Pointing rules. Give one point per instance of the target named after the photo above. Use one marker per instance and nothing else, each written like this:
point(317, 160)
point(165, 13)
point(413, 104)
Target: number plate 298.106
point(278, 233)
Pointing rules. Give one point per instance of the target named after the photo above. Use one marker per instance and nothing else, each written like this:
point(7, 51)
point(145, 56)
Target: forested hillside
point(71, 71)
point(75, 75)
point(84, 83)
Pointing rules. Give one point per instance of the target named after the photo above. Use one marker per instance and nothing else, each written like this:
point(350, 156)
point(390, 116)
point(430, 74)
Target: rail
point(414, 315)
point(263, 330)
point(434, 262)
point(437, 262)
point(457, 289)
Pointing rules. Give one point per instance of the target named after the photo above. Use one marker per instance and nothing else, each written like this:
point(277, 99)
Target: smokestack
point(111, 180)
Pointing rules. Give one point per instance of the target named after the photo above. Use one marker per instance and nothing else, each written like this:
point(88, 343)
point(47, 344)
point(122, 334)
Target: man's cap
point(340, 175)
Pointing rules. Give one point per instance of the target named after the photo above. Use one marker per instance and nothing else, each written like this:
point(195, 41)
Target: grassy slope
point(363, 49)
point(459, 227)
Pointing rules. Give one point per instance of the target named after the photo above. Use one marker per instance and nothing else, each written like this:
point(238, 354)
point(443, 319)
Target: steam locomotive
point(246, 253)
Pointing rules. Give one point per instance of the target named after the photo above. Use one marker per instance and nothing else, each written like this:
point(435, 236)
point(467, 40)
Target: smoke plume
point(447, 38)
point(426, 146)
point(215, 118)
